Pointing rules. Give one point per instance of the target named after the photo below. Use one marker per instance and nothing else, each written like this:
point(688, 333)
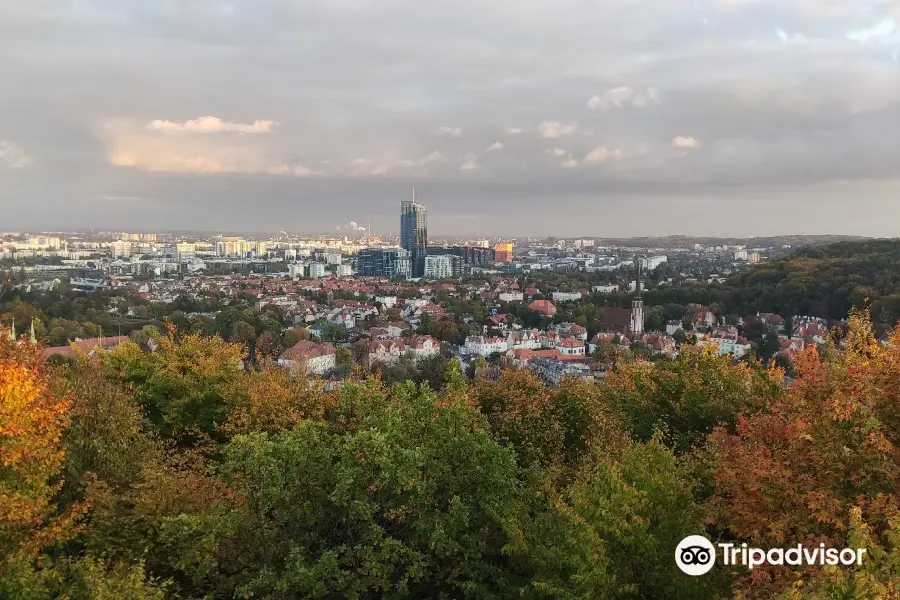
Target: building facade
point(503, 252)
point(414, 234)
point(472, 256)
point(443, 266)
point(384, 262)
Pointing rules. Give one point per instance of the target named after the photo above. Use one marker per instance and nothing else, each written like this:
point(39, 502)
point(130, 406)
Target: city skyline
point(528, 118)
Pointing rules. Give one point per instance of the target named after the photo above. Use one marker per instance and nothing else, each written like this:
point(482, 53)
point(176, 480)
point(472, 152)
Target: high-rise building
point(504, 252)
point(383, 262)
point(414, 233)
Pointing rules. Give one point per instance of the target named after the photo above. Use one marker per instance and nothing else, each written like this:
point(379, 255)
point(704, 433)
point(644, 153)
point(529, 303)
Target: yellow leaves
point(31, 425)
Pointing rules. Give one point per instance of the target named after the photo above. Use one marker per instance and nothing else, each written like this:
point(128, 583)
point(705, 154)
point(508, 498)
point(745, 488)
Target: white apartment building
point(566, 296)
point(484, 346)
point(316, 270)
point(652, 262)
point(511, 297)
point(344, 271)
point(438, 267)
point(334, 258)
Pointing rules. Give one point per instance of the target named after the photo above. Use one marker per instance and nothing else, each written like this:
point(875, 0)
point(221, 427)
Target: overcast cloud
point(510, 117)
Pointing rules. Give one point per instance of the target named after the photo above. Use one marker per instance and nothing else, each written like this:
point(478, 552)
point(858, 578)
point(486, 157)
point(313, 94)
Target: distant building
point(317, 358)
point(344, 271)
point(442, 266)
point(233, 247)
point(316, 270)
point(650, 263)
point(414, 234)
point(543, 306)
point(472, 256)
point(566, 296)
point(503, 252)
point(384, 262)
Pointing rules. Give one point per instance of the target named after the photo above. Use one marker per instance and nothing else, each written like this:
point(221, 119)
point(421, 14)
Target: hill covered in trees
point(682, 241)
point(824, 281)
point(173, 473)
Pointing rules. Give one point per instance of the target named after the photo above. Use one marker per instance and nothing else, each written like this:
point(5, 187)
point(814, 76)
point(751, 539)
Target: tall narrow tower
point(414, 233)
point(636, 329)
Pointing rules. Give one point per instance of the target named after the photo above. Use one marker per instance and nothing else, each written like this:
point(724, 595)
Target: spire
point(638, 285)
point(33, 338)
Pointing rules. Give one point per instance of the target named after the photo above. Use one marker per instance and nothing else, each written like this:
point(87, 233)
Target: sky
point(598, 118)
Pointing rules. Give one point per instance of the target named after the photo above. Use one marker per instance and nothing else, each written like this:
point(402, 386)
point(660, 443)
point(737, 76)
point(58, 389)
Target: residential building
point(442, 266)
point(384, 262)
point(316, 270)
point(485, 346)
point(570, 347)
point(650, 263)
point(543, 306)
point(233, 247)
point(553, 372)
point(511, 297)
point(344, 270)
point(414, 234)
point(566, 296)
point(316, 357)
point(503, 252)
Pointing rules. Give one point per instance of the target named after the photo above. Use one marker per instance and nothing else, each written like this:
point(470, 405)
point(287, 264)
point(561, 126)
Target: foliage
point(688, 396)
point(184, 387)
point(795, 470)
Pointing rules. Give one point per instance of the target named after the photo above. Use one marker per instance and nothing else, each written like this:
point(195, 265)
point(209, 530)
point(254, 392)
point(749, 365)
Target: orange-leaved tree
point(32, 423)
point(798, 470)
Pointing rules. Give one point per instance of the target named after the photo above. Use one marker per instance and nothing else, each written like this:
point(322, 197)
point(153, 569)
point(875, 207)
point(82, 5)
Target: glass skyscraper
point(414, 233)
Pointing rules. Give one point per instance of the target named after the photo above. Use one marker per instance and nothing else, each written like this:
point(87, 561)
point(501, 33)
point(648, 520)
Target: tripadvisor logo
point(696, 555)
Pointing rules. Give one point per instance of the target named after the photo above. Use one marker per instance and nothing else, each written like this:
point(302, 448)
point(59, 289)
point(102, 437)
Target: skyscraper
point(414, 233)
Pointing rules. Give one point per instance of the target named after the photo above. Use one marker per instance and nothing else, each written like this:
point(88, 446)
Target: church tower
point(636, 328)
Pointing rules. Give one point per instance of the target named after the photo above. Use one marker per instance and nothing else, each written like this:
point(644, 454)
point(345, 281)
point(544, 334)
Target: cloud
point(569, 163)
point(555, 129)
point(450, 131)
point(556, 151)
point(367, 167)
point(13, 156)
point(211, 125)
point(884, 30)
point(624, 96)
point(202, 165)
point(471, 162)
point(601, 154)
point(514, 131)
point(685, 142)
point(494, 147)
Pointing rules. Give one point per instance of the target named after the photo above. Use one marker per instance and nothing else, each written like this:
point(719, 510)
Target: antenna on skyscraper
point(414, 194)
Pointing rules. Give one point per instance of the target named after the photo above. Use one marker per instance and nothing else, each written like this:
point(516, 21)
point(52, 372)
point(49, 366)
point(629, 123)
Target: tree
point(31, 425)
point(609, 353)
point(689, 396)
point(185, 387)
point(333, 332)
point(768, 346)
point(422, 494)
point(242, 333)
point(800, 467)
point(269, 346)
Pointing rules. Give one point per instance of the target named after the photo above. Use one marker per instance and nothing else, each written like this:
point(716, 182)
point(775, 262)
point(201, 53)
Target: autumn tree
point(799, 469)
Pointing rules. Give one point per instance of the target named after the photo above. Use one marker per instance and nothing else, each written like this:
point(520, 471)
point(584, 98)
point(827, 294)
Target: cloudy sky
point(510, 117)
